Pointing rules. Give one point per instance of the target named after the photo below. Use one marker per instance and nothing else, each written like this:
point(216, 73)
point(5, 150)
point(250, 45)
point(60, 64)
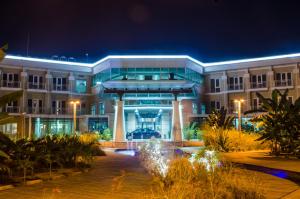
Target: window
point(203, 109)
point(58, 107)
point(195, 108)
point(258, 81)
point(290, 99)
point(10, 80)
point(283, 79)
point(101, 108)
point(60, 84)
point(80, 86)
point(256, 103)
point(35, 82)
point(12, 107)
point(231, 108)
point(215, 105)
point(35, 106)
point(215, 85)
point(235, 83)
point(93, 109)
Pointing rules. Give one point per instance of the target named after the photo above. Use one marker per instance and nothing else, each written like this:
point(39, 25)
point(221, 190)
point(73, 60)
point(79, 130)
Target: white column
point(224, 88)
point(119, 122)
point(23, 107)
point(246, 89)
point(71, 86)
point(296, 80)
point(48, 86)
point(176, 124)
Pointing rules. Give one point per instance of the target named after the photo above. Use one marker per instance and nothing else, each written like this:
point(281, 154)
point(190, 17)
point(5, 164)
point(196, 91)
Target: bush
point(186, 181)
point(51, 151)
point(232, 140)
point(107, 135)
point(88, 138)
point(97, 151)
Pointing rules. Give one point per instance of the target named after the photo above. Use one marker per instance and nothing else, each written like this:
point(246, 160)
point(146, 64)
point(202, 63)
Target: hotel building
point(140, 95)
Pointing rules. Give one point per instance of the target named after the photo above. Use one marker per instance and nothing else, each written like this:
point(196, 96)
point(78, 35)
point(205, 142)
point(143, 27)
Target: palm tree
point(280, 121)
point(219, 119)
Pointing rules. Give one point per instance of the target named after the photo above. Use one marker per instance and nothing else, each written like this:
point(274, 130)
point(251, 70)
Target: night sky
point(209, 30)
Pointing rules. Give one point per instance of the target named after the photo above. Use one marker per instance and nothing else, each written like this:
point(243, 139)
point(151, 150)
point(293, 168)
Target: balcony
point(256, 85)
point(12, 109)
point(215, 90)
point(59, 111)
point(235, 87)
point(283, 83)
point(32, 110)
point(62, 87)
point(81, 111)
point(10, 84)
point(39, 86)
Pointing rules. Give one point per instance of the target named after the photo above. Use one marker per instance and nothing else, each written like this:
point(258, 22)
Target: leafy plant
point(279, 120)
point(191, 131)
point(107, 135)
point(219, 119)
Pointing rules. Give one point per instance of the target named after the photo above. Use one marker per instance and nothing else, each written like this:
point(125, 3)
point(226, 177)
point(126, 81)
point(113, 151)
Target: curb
point(33, 182)
point(294, 195)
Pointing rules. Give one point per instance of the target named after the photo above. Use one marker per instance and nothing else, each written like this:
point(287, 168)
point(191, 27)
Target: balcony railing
point(10, 84)
point(12, 109)
point(81, 111)
point(62, 87)
point(59, 111)
point(254, 85)
point(32, 85)
point(215, 90)
point(234, 87)
point(283, 83)
point(32, 110)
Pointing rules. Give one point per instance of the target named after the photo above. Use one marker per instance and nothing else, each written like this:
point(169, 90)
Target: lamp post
point(239, 107)
point(74, 103)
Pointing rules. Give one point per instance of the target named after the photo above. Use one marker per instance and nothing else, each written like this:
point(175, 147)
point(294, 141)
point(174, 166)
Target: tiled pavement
point(121, 177)
point(113, 176)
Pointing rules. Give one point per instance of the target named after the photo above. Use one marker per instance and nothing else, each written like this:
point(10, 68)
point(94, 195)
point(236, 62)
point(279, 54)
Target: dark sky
point(209, 30)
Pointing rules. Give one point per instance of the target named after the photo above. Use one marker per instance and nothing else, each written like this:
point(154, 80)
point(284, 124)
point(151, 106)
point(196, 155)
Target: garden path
point(107, 180)
point(112, 176)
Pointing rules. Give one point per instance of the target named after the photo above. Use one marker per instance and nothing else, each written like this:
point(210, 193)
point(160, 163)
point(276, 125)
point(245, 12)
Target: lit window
point(81, 86)
point(195, 108)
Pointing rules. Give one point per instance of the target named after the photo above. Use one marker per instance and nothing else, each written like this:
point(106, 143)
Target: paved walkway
point(113, 176)
point(261, 158)
point(275, 187)
point(120, 176)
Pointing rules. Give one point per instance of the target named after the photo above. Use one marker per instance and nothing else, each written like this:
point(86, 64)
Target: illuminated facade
point(137, 97)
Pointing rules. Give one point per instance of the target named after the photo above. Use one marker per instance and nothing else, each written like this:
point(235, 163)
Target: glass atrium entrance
point(148, 121)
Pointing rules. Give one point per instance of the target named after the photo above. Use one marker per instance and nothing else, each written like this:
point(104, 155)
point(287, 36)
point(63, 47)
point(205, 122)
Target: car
point(143, 133)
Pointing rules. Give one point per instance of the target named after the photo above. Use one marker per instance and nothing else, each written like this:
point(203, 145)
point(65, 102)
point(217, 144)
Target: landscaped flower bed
point(47, 154)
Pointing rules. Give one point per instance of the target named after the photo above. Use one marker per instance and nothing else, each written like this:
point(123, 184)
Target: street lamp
point(239, 106)
point(74, 103)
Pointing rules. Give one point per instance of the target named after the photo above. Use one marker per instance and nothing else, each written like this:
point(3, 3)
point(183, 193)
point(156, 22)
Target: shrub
point(185, 181)
point(232, 140)
point(97, 151)
point(88, 138)
point(107, 135)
